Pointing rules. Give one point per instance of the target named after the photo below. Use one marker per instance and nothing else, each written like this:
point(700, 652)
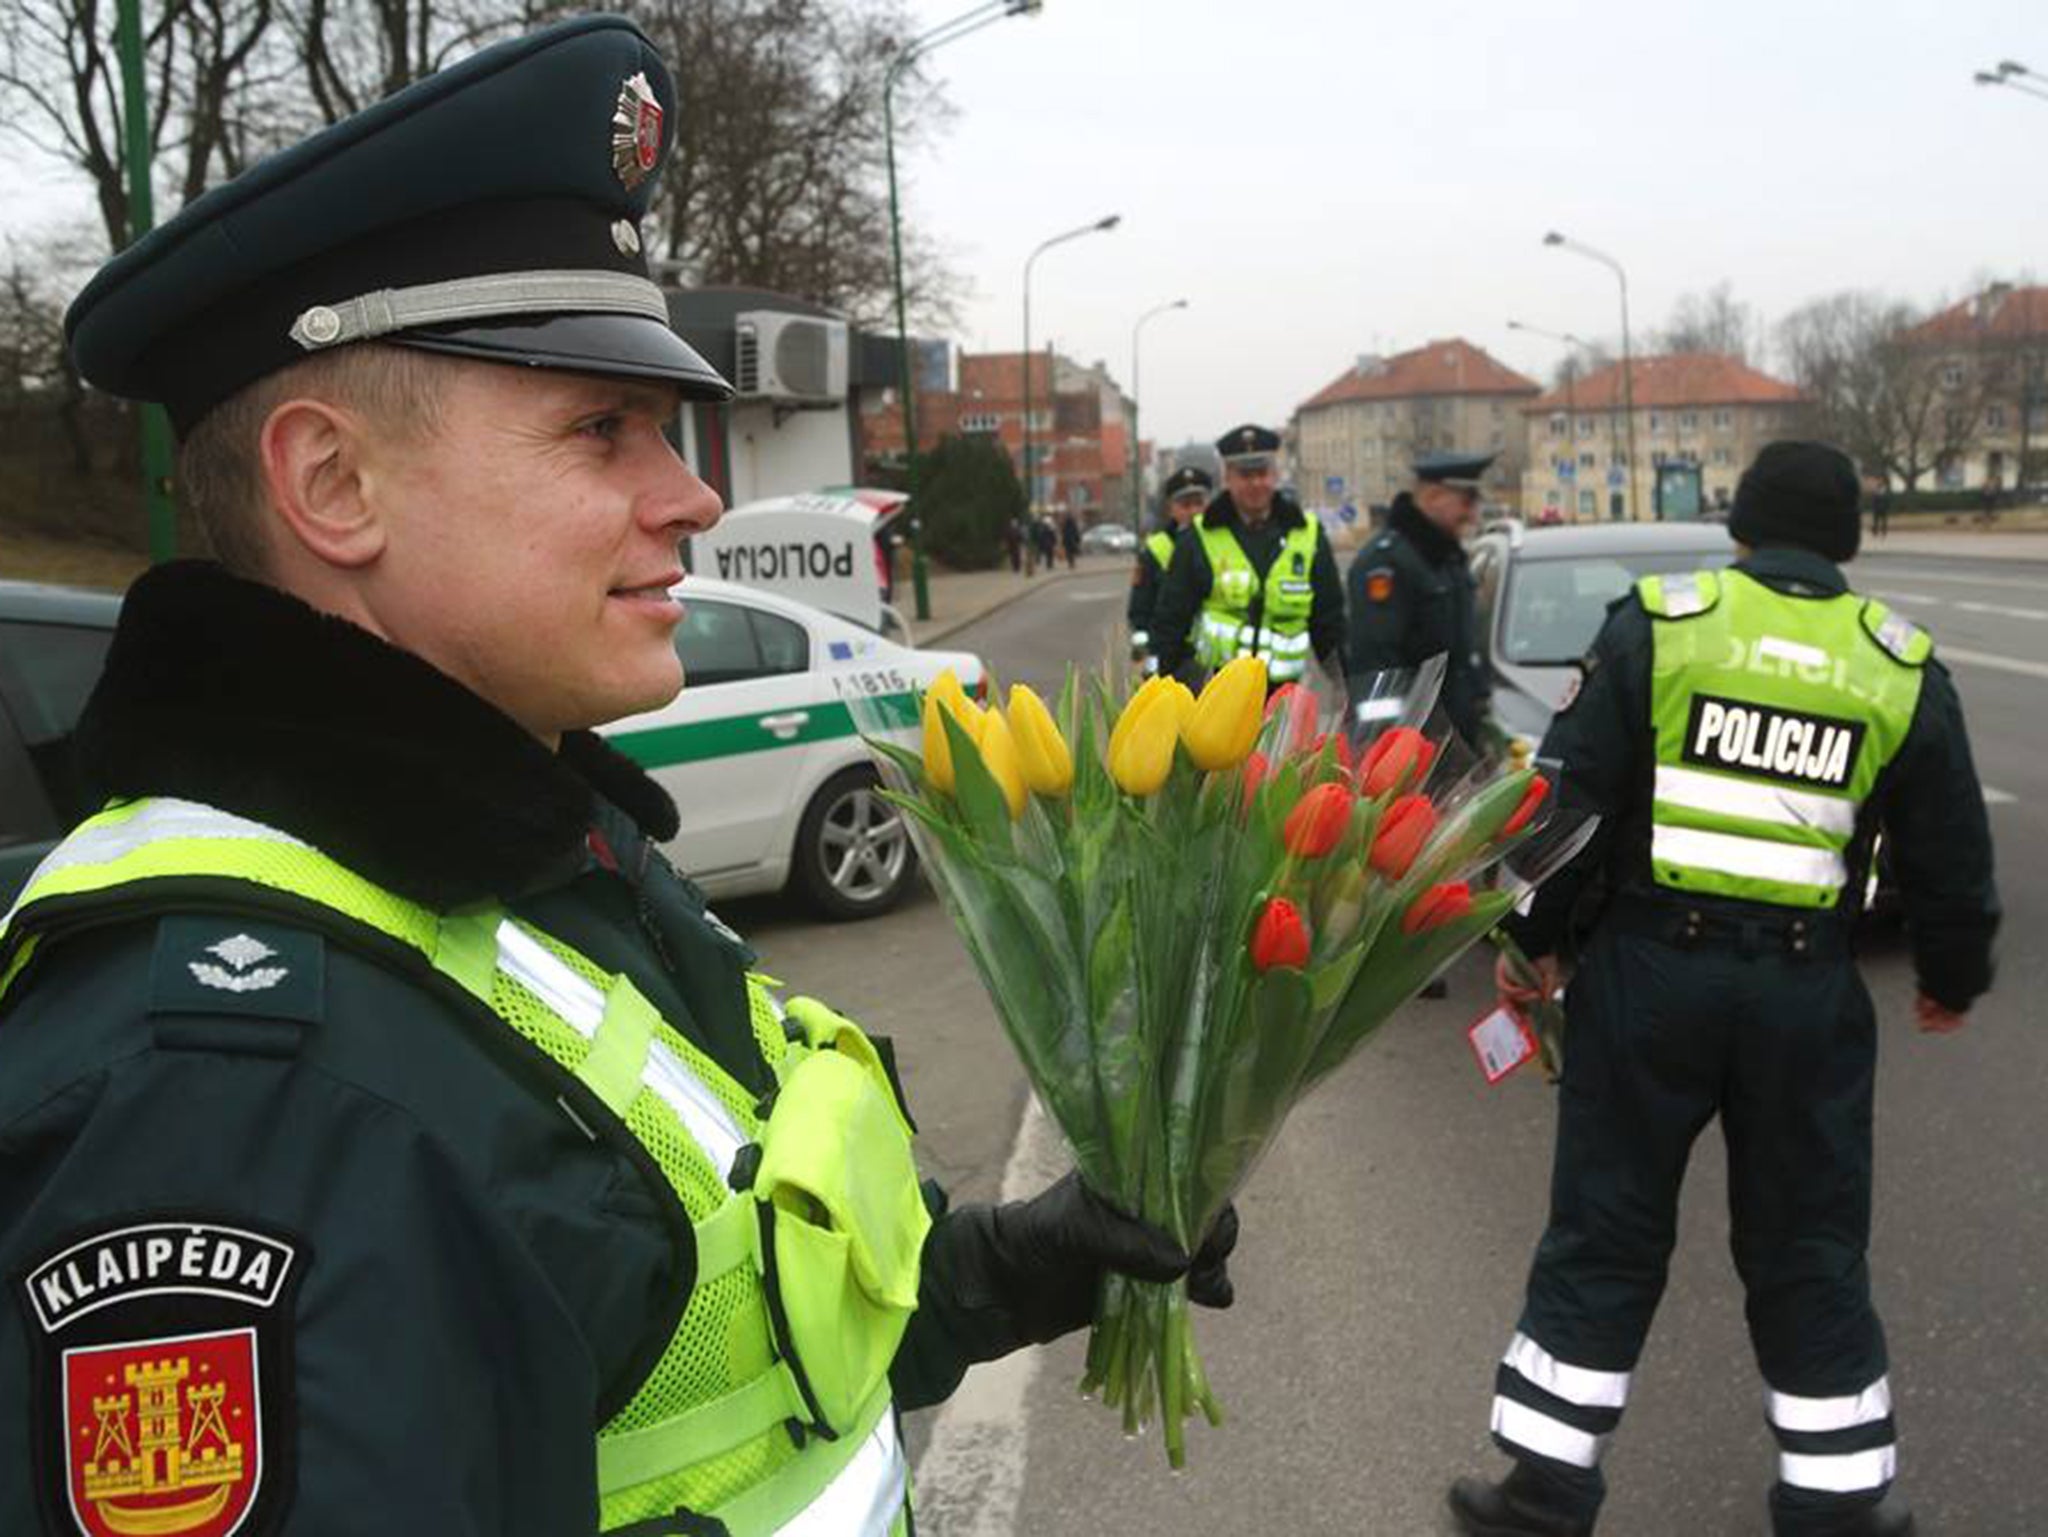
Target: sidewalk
point(1967, 543)
point(959, 598)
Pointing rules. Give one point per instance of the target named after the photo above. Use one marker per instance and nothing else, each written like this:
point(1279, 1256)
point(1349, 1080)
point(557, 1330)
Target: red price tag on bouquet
point(1502, 1042)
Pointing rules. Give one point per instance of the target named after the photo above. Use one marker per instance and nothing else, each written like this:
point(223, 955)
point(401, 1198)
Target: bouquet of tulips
point(1188, 912)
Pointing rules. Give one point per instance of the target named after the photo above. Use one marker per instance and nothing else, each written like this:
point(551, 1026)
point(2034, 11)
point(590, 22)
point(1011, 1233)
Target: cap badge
point(626, 237)
point(636, 131)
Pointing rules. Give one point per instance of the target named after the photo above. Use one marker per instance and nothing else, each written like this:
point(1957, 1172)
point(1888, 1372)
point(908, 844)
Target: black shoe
point(1889, 1517)
point(1490, 1510)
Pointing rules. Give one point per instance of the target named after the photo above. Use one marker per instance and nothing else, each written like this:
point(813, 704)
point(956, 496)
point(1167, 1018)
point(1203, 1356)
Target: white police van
point(761, 753)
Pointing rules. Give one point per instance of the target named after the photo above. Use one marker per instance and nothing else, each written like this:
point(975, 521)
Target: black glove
point(1209, 1283)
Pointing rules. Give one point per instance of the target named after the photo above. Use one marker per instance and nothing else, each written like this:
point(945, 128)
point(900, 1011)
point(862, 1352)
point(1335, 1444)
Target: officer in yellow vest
point(394, 1141)
point(1186, 493)
point(1254, 576)
point(1744, 734)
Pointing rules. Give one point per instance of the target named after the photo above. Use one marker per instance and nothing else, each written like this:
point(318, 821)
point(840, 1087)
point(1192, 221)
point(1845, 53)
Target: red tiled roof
point(1453, 367)
point(1679, 379)
point(2004, 315)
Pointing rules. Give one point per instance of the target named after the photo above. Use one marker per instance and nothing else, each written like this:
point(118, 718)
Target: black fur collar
point(238, 695)
point(1431, 542)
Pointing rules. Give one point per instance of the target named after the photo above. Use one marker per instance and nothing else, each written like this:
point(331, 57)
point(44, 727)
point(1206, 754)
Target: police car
point(763, 756)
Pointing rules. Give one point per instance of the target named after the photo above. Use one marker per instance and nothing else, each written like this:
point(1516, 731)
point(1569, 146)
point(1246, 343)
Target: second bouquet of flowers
point(1187, 913)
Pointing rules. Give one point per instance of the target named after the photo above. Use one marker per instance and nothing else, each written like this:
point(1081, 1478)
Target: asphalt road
point(1387, 1236)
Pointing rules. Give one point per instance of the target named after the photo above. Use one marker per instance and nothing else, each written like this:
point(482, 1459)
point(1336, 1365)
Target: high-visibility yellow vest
point(1226, 631)
point(832, 1212)
point(1159, 545)
point(1773, 717)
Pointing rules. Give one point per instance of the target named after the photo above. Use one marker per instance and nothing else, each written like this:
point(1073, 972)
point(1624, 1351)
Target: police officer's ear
point(320, 480)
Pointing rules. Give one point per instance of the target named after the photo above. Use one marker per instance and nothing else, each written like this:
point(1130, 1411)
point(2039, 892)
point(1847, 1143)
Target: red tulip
point(1345, 765)
point(1539, 787)
point(1256, 771)
point(1403, 831)
point(1399, 760)
point(1437, 906)
point(1318, 821)
point(1296, 708)
point(1280, 937)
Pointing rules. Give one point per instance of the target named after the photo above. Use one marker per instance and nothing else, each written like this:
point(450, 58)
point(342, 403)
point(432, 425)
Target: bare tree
point(1715, 321)
point(1898, 408)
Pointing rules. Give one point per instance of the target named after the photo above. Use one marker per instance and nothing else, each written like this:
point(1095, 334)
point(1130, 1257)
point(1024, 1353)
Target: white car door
point(732, 747)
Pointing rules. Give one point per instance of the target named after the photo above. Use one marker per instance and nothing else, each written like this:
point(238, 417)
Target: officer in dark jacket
point(375, 1095)
point(1280, 597)
point(1409, 592)
point(1743, 734)
point(1186, 493)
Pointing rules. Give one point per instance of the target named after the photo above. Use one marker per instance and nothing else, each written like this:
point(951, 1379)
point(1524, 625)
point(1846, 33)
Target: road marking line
point(1999, 797)
point(1907, 574)
point(2002, 611)
point(1906, 597)
point(1995, 663)
point(970, 1482)
point(1093, 597)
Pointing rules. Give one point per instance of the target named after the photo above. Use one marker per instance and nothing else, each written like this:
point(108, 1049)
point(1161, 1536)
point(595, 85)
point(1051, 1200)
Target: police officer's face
point(1251, 486)
point(1186, 505)
point(1454, 509)
point(533, 538)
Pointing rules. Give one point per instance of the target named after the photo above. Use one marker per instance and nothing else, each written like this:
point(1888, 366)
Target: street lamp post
point(947, 32)
point(1571, 392)
point(1137, 475)
point(1102, 225)
point(1628, 367)
point(156, 425)
point(2016, 76)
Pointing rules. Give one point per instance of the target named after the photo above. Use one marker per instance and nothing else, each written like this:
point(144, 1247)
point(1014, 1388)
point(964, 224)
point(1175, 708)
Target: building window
point(978, 421)
point(1952, 379)
point(1723, 420)
point(1994, 417)
point(1557, 425)
point(1724, 456)
point(1656, 421)
point(1587, 426)
point(1589, 503)
point(1588, 460)
point(1688, 421)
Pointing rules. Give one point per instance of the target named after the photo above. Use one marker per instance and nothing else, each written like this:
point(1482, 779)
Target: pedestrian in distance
point(1186, 493)
point(1013, 543)
point(1070, 538)
point(1410, 596)
point(1253, 576)
point(1744, 734)
point(395, 1141)
point(1880, 499)
point(1045, 541)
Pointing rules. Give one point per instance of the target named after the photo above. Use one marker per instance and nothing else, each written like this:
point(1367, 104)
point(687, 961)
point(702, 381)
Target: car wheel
point(853, 853)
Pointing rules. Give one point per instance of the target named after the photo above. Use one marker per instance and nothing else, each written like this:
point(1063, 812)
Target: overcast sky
point(1323, 179)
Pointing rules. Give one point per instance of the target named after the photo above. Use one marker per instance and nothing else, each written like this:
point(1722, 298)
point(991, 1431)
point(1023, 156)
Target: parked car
point(1108, 539)
point(53, 641)
point(1543, 594)
point(762, 750)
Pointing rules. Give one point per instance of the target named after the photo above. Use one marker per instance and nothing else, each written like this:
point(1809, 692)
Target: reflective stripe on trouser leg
point(1552, 1408)
point(1846, 1444)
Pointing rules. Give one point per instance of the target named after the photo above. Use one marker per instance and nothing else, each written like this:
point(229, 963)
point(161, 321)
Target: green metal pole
point(156, 426)
point(920, 573)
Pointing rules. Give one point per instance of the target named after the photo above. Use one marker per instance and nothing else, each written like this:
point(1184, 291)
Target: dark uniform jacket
point(1186, 586)
point(1928, 800)
point(484, 1275)
point(1146, 579)
point(1410, 596)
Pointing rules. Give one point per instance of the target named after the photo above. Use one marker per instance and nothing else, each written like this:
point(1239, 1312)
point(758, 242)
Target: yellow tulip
point(1041, 751)
point(938, 752)
point(999, 756)
point(1148, 693)
point(1226, 719)
point(1141, 752)
point(946, 689)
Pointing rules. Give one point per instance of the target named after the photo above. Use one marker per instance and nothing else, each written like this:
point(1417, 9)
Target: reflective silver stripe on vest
point(865, 1497)
point(1788, 1411)
point(1754, 801)
point(157, 820)
point(558, 985)
point(1580, 1385)
point(1538, 1432)
point(1841, 1473)
point(1753, 857)
point(1683, 597)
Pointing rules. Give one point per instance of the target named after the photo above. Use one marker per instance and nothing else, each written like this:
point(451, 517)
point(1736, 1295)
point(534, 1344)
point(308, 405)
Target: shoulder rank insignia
point(234, 965)
point(162, 1391)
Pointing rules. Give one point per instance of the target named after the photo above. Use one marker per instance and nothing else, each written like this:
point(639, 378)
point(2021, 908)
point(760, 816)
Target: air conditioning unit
point(790, 359)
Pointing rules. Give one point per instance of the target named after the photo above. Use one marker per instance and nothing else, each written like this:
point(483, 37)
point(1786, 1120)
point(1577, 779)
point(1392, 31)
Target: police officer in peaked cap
point(1253, 576)
point(393, 1135)
point(1744, 734)
point(1409, 593)
point(1186, 492)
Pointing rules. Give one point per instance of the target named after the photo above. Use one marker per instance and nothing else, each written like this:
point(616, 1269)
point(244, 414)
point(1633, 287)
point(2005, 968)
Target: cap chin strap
point(567, 291)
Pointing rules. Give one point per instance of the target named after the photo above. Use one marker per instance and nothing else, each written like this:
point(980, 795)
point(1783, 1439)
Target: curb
point(1031, 585)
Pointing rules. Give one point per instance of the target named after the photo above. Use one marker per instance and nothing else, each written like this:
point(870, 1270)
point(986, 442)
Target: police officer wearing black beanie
point(1744, 734)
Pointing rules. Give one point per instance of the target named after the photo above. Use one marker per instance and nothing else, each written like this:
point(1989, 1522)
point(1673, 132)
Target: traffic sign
point(1333, 487)
point(1348, 513)
point(1567, 469)
point(1615, 477)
